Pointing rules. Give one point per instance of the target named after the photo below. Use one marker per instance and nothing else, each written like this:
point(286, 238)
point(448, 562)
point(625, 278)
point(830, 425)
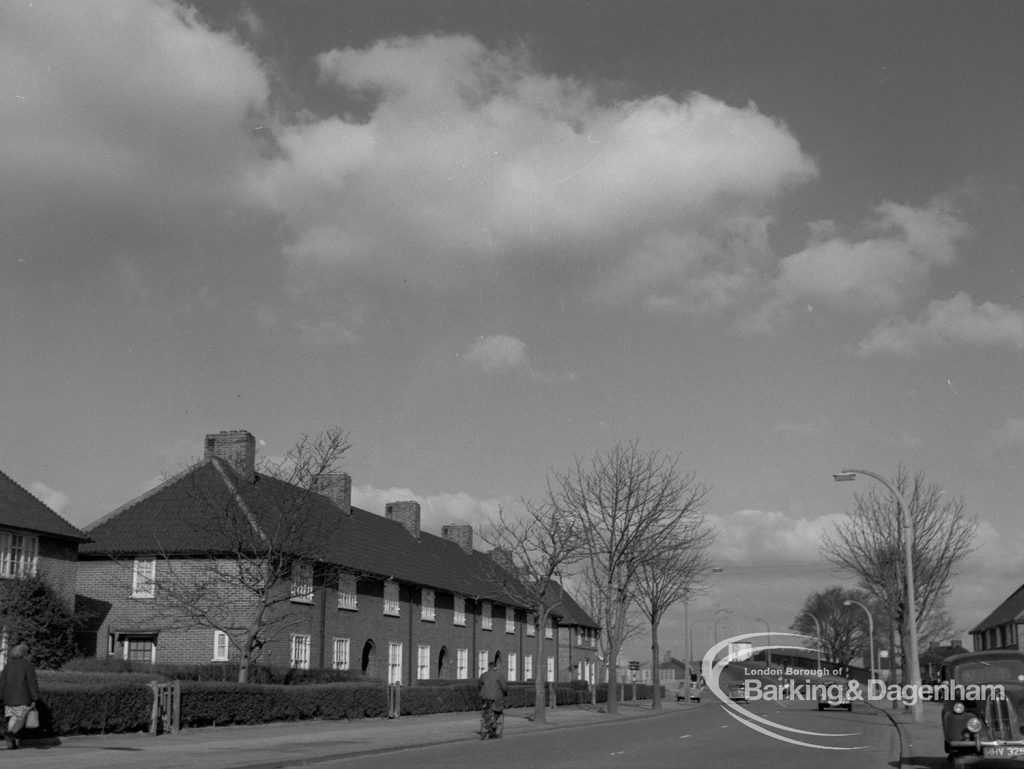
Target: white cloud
point(957, 321)
point(882, 272)
point(470, 155)
point(121, 112)
point(498, 353)
point(55, 500)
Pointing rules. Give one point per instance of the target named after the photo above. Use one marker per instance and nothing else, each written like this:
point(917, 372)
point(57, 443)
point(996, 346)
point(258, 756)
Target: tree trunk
point(539, 709)
point(655, 657)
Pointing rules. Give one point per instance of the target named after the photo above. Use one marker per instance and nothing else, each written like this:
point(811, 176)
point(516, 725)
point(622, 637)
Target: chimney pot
point(337, 487)
point(406, 513)
point(459, 533)
point(235, 447)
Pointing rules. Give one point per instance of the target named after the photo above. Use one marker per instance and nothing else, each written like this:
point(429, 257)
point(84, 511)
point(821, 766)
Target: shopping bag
point(32, 719)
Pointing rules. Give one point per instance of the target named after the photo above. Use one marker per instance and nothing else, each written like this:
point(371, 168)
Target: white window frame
point(422, 662)
point(531, 625)
point(301, 648)
point(19, 554)
point(527, 667)
point(394, 662)
point(342, 653)
point(462, 664)
point(302, 582)
point(510, 620)
point(392, 599)
point(459, 611)
point(549, 629)
point(348, 592)
point(221, 646)
point(144, 577)
point(550, 672)
point(486, 621)
point(481, 662)
point(428, 613)
point(127, 639)
point(513, 665)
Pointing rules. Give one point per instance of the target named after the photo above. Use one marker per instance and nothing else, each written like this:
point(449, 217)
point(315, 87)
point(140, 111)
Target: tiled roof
point(571, 613)
point(181, 517)
point(1010, 609)
point(21, 510)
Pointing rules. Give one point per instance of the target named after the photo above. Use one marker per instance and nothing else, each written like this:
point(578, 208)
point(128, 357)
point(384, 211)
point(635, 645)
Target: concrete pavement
point(291, 743)
point(920, 744)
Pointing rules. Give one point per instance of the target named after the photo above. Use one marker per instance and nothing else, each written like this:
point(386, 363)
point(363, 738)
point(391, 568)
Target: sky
point(774, 240)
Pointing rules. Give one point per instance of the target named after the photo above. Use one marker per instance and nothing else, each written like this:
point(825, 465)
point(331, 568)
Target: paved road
point(705, 736)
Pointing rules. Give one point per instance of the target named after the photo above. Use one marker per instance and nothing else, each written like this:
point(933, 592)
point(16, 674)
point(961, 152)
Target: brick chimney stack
point(337, 487)
point(406, 513)
point(504, 559)
point(237, 448)
point(459, 533)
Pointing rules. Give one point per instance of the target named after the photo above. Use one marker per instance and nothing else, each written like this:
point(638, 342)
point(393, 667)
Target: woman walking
point(18, 691)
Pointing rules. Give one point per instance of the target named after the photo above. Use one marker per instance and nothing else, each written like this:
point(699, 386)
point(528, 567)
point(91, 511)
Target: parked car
point(736, 691)
point(976, 720)
point(835, 691)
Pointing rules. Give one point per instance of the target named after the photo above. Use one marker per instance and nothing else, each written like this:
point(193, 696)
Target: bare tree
point(629, 504)
point(843, 632)
point(269, 535)
point(674, 574)
point(870, 544)
point(542, 546)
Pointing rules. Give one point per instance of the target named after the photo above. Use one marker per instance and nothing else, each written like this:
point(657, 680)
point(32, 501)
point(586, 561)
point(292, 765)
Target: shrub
point(31, 611)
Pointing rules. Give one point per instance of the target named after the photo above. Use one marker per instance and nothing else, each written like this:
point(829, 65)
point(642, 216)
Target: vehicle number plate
point(1003, 751)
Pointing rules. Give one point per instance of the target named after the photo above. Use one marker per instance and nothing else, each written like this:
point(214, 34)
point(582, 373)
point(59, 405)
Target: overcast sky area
point(775, 239)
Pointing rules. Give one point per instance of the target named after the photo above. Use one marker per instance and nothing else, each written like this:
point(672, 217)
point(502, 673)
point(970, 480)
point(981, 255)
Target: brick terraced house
point(381, 596)
point(34, 540)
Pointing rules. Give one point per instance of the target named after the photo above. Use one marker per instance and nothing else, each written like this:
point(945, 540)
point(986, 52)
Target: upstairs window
point(347, 595)
point(459, 612)
point(531, 625)
point(427, 605)
point(302, 582)
point(486, 622)
point(510, 619)
point(549, 629)
point(144, 578)
point(391, 605)
point(18, 554)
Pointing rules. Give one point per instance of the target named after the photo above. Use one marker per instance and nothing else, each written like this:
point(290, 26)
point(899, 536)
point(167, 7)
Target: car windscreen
point(985, 671)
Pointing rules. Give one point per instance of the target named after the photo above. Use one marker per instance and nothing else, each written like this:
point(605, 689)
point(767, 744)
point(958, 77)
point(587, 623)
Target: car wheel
point(821, 706)
point(849, 707)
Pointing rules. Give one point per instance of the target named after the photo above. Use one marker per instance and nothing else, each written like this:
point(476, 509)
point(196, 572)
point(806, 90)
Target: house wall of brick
point(57, 563)
point(114, 612)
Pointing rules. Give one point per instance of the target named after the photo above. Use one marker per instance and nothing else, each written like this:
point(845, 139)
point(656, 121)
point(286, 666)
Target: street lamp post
point(817, 634)
point(913, 660)
point(725, 616)
point(871, 636)
point(768, 645)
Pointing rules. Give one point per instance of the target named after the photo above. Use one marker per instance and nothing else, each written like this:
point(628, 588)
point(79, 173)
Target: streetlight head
point(844, 476)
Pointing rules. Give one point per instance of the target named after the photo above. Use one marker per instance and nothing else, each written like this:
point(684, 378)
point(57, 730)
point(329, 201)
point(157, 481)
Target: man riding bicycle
point(493, 690)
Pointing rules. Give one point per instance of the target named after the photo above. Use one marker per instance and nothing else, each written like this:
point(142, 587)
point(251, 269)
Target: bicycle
point(492, 722)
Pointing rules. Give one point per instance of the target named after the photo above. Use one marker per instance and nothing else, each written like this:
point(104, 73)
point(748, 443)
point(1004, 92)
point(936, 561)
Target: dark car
point(696, 689)
point(983, 704)
point(834, 693)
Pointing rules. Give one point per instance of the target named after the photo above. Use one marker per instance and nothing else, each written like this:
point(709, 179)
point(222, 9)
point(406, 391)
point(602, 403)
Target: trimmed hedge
point(90, 703)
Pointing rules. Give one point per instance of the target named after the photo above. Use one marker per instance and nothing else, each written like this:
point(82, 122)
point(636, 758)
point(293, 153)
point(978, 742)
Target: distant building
point(382, 597)
point(1002, 628)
